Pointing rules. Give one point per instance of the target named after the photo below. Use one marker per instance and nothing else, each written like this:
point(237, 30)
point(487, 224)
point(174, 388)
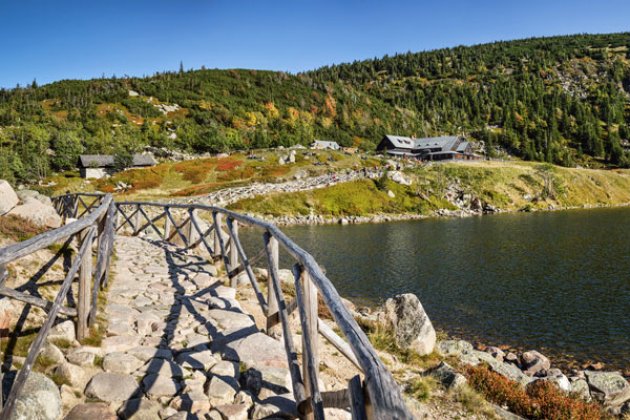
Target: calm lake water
point(558, 282)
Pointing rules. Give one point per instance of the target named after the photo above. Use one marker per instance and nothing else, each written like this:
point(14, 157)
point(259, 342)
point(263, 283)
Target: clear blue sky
point(52, 40)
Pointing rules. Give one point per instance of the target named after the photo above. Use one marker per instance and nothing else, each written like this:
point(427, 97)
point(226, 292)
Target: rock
point(454, 347)
point(448, 376)
point(399, 178)
point(63, 331)
point(256, 349)
point(119, 343)
point(40, 399)
point(145, 353)
point(162, 367)
point(81, 357)
point(191, 402)
point(411, 325)
point(286, 276)
point(511, 358)
point(233, 411)
point(503, 368)
point(139, 409)
point(112, 387)
point(8, 197)
point(100, 411)
point(391, 194)
point(221, 390)
point(72, 374)
point(608, 387)
point(202, 360)
point(281, 406)
point(23, 195)
point(252, 381)
point(556, 377)
point(52, 353)
point(495, 352)
point(160, 386)
point(533, 362)
point(580, 389)
point(37, 213)
point(121, 363)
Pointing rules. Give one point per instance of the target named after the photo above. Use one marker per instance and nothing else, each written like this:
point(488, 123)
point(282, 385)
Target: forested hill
point(560, 99)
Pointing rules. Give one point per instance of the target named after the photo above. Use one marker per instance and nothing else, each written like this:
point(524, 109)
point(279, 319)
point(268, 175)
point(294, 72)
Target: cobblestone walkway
point(178, 346)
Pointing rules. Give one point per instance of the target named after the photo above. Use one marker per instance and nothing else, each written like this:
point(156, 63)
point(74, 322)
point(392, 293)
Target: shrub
point(541, 400)
point(17, 228)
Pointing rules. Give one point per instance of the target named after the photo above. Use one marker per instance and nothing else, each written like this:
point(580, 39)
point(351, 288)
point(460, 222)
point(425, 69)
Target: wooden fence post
point(136, 220)
point(310, 321)
point(216, 234)
point(272, 302)
point(167, 226)
point(233, 252)
point(83, 300)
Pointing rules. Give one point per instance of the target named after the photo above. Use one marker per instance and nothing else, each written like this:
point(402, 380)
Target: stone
point(233, 411)
point(139, 409)
point(112, 387)
point(495, 352)
point(556, 377)
point(63, 331)
point(52, 353)
point(257, 349)
point(81, 357)
point(411, 326)
point(448, 376)
point(121, 363)
point(453, 347)
point(503, 368)
point(23, 195)
point(40, 399)
point(252, 381)
point(580, 389)
point(69, 396)
point(511, 358)
point(221, 390)
point(169, 412)
point(191, 402)
point(119, 343)
point(399, 178)
point(391, 194)
point(145, 353)
point(37, 213)
point(533, 362)
point(608, 387)
point(281, 406)
point(8, 197)
point(160, 386)
point(229, 320)
point(201, 360)
point(162, 367)
point(99, 410)
point(72, 374)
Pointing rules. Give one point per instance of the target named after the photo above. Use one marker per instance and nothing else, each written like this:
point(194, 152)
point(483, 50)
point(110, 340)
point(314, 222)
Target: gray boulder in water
point(411, 325)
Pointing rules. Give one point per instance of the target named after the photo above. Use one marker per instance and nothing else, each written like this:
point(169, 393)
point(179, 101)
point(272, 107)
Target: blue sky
point(52, 40)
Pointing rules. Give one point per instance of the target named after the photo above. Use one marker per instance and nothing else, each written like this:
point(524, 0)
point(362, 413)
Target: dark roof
point(107, 161)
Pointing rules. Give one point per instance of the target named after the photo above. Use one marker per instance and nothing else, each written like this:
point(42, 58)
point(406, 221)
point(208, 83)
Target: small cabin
point(428, 148)
point(325, 145)
point(100, 166)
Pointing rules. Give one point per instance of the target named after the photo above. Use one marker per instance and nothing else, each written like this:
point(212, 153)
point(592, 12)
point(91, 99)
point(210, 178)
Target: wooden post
point(310, 353)
point(357, 399)
point(192, 233)
point(84, 289)
point(216, 232)
point(167, 226)
point(272, 302)
point(136, 220)
point(233, 251)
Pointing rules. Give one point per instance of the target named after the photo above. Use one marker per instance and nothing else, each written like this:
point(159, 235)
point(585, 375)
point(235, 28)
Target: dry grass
point(18, 229)
point(541, 400)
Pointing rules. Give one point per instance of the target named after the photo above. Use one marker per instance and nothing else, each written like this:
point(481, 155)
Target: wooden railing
point(371, 394)
point(94, 229)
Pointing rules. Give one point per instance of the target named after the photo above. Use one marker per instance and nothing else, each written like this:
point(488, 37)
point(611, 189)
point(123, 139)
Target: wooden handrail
point(381, 397)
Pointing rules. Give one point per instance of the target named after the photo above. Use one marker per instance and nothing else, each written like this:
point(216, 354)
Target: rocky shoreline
point(411, 328)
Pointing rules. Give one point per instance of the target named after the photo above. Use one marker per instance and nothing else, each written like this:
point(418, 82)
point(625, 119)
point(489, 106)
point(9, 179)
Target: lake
point(558, 282)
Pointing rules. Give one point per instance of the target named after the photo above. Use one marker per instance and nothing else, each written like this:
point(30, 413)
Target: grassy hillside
point(508, 186)
point(560, 99)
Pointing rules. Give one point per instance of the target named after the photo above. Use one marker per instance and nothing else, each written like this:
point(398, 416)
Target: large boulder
point(23, 195)
point(534, 362)
point(412, 327)
point(608, 387)
point(40, 399)
point(8, 197)
point(37, 213)
point(399, 178)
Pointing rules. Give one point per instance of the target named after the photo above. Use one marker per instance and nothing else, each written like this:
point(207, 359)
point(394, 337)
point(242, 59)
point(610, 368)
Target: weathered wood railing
point(377, 396)
point(94, 226)
point(372, 394)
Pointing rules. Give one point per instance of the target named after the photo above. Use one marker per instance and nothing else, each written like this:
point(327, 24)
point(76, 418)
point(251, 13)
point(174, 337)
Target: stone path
point(178, 346)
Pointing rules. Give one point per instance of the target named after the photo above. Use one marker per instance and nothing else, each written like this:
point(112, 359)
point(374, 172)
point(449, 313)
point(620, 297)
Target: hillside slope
point(560, 99)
